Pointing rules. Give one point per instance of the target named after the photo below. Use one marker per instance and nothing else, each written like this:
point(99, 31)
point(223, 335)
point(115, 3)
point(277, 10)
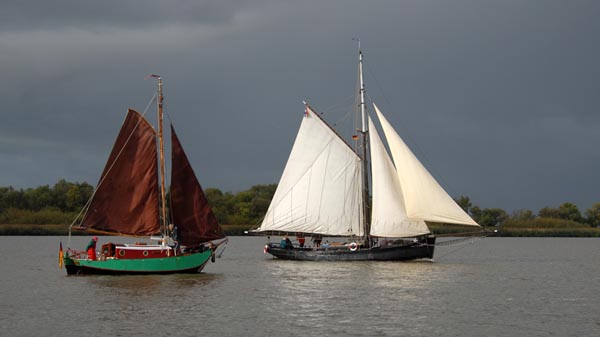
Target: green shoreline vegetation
point(49, 210)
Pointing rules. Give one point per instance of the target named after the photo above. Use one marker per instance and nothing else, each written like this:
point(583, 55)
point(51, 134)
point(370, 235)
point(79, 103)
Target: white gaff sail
point(320, 190)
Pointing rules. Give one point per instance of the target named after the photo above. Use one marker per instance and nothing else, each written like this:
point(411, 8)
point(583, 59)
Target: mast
point(364, 132)
point(163, 200)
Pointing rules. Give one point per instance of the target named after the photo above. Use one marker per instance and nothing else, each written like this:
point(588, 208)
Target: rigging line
point(222, 251)
point(86, 207)
point(472, 239)
point(423, 159)
point(372, 74)
point(457, 249)
point(356, 201)
point(328, 111)
point(344, 119)
point(342, 102)
point(422, 155)
point(325, 124)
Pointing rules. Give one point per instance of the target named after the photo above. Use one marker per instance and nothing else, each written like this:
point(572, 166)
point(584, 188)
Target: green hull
point(187, 263)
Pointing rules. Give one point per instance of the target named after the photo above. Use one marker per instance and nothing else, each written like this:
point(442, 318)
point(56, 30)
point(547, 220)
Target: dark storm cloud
point(60, 14)
point(498, 98)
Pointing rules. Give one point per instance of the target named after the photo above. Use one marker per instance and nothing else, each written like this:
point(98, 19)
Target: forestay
point(320, 190)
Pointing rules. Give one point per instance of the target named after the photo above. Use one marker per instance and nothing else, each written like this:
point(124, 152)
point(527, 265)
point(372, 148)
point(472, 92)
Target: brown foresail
point(126, 199)
point(190, 210)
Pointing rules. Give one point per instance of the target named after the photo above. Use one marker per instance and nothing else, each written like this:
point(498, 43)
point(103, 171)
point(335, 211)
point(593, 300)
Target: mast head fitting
point(152, 76)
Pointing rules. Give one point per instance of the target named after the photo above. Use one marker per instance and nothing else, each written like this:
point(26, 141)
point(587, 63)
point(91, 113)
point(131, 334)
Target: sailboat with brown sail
point(130, 201)
point(324, 192)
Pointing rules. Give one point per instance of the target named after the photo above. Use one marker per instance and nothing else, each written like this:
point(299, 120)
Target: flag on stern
point(60, 256)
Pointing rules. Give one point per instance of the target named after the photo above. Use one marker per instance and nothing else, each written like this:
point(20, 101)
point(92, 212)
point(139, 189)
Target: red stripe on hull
point(129, 253)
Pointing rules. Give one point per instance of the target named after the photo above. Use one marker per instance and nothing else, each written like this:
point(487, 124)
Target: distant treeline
point(43, 205)
point(60, 204)
point(566, 214)
point(242, 208)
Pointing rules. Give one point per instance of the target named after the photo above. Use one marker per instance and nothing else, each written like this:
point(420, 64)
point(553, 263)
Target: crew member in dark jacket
point(286, 243)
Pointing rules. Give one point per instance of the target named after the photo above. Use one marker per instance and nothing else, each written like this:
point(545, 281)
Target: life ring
point(353, 246)
point(266, 250)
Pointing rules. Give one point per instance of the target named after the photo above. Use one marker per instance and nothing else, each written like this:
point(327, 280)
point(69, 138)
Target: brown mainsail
point(189, 207)
point(126, 198)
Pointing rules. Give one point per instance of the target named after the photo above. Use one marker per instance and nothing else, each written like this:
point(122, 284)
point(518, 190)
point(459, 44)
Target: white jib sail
point(424, 197)
point(388, 218)
point(320, 190)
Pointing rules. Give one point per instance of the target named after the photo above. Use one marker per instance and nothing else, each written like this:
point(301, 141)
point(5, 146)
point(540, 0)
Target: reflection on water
point(322, 295)
point(122, 284)
point(149, 283)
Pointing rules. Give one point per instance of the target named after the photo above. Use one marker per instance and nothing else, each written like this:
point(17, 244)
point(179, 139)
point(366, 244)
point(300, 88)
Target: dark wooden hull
point(409, 251)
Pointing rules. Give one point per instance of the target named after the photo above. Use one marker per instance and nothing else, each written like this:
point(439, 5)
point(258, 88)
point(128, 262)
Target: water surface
point(493, 287)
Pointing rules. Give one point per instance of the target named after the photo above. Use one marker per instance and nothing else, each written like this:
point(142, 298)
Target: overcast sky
point(500, 99)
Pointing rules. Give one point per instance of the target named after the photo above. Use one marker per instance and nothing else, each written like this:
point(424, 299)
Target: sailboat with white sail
point(324, 192)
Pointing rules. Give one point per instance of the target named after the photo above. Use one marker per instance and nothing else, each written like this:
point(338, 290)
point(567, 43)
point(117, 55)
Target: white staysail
point(424, 198)
point(320, 190)
point(388, 218)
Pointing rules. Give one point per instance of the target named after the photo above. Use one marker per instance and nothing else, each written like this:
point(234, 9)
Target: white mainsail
point(424, 198)
point(388, 217)
point(320, 190)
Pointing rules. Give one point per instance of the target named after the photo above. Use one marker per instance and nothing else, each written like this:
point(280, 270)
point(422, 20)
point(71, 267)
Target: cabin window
point(108, 249)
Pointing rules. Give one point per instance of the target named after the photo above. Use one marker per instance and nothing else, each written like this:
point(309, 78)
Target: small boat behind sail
point(324, 192)
point(130, 201)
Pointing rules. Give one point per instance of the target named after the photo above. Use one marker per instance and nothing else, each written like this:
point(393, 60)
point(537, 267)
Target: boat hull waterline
point(185, 263)
point(411, 251)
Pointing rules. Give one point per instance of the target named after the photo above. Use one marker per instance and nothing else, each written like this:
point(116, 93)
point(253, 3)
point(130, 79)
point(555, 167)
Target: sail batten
point(424, 198)
point(320, 185)
point(190, 210)
point(126, 198)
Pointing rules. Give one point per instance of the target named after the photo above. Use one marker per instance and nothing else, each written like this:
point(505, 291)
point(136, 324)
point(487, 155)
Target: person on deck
point(286, 243)
point(175, 236)
point(289, 243)
point(317, 240)
point(91, 248)
point(301, 240)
